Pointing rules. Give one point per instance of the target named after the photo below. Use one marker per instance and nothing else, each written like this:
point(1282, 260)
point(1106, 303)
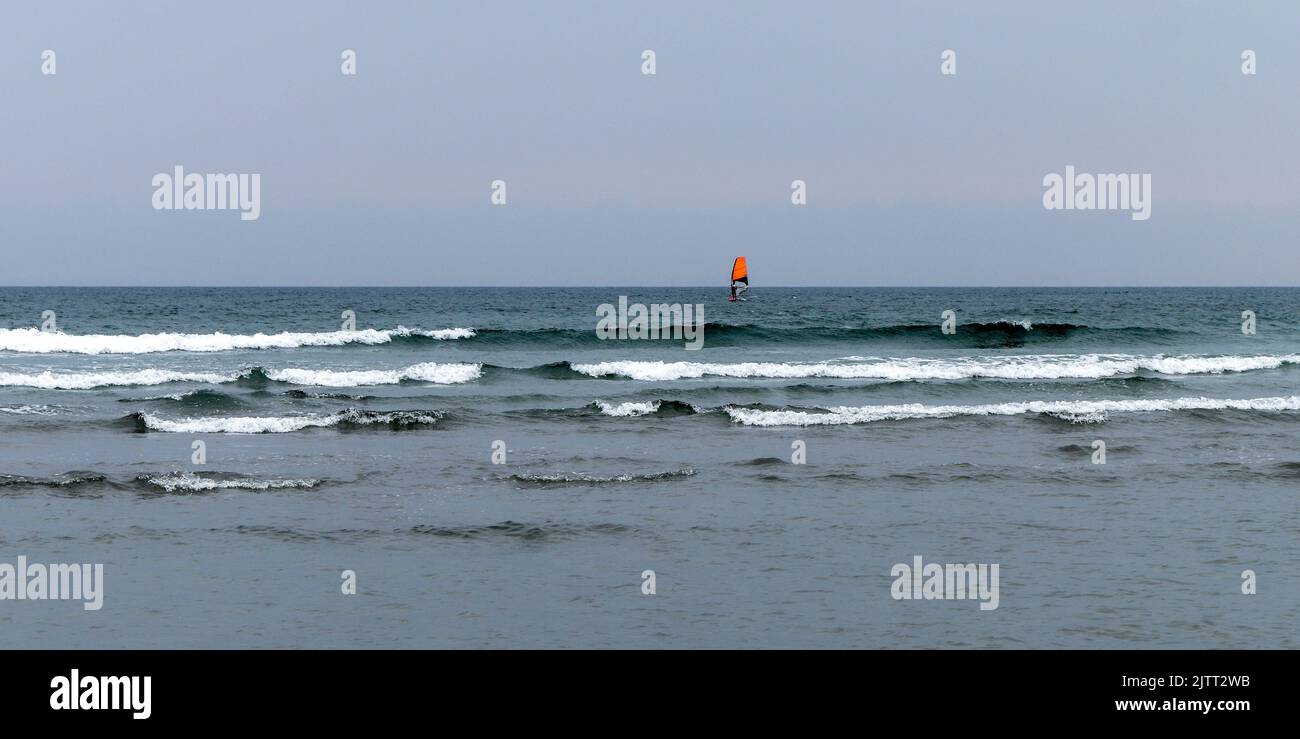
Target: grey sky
point(618, 178)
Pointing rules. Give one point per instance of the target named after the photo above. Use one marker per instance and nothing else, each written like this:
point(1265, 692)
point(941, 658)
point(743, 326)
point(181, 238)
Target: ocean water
point(371, 451)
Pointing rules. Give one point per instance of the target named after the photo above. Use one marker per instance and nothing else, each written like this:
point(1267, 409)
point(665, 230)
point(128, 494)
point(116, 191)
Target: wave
point(524, 531)
point(551, 337)
point(1075, 411)
point(65, 480)
point(1020, 332)
point(346, 419)
point(994, 333)
point(1024, 367)
point(1285, 470)
point(1004, 333)
point(304, 395)
point(1020, 367)
point(1085, 449)
point(85, 381)
point(529, 532)
point(190, 482)
point(440, 374)
point(202, 398)
point(549, 371)
point(28, 410)
point(661, 408)
point(35, 341)
point(565, 479)
point(978, 334)
point(627, 409)
point(187, 482)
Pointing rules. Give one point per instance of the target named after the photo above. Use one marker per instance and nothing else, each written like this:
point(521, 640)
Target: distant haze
point(618, 178)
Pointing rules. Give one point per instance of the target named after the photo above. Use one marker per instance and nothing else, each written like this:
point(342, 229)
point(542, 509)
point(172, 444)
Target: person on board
point(739, 279)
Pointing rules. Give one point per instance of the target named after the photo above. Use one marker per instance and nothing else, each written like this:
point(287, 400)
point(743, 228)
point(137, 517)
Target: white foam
point(1018, 367)
point(278, 424)
point(190, 482)
point(582, 477)
point(82, 381)
point(28, 410)
point(443, 334)
point(237, 424)
point(35, 341)
point(441, 374)
point(628, 409)
point(1080, 411)
point(172, 396)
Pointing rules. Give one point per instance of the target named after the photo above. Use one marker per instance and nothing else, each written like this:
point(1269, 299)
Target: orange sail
point(739, 272)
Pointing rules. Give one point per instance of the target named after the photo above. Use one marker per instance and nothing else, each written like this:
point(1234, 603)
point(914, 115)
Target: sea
point(478, 468)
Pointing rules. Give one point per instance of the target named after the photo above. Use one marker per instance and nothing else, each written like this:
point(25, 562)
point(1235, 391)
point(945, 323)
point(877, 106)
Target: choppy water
point(371, 451)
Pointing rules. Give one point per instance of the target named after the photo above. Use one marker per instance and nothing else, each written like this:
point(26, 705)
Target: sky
point(615, 177)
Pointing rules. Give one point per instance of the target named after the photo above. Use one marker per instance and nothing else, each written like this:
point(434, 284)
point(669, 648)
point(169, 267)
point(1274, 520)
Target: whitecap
point(35, 341)
point(1080, 411)
point(1015, 367)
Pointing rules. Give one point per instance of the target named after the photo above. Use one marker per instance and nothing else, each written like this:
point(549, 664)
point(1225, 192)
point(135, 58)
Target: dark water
point(372, 452)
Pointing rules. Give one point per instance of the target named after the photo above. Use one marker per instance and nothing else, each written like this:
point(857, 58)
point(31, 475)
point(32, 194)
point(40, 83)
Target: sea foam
point(1021, 367)
point(628, 409)
point(189, 482)
point(85, 380)
point(441, 374)
point(35, 341)
point(284, 424)
point(1078, 411)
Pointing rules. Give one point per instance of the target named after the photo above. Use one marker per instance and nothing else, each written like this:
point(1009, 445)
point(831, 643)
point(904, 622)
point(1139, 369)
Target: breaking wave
point(440, 374)
point(1025, 367)
point(346, 419)
point(662, 408)
point(1005, 333)
point(564, 479)
point(1021, 367)
point(86, 380)
point(35, 341)
point(28, 410)
point(1074, 411)
point(189, 482)
point(628, 409)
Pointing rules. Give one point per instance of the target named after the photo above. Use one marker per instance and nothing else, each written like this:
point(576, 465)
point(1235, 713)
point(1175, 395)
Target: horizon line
point(648, 287)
